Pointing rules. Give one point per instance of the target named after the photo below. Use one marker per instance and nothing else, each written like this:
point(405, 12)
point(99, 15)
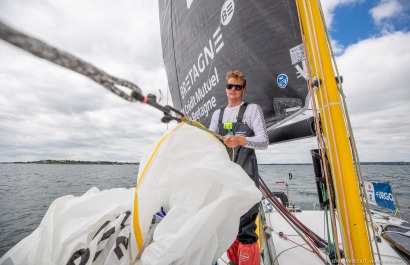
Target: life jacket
point(243, 156)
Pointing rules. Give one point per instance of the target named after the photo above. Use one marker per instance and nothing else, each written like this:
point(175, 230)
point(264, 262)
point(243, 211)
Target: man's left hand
point(233, 141)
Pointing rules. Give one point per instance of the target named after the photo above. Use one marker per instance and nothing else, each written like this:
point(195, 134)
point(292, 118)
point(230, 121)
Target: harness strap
point(239, 118)
point(241, 112)
point(221, 115)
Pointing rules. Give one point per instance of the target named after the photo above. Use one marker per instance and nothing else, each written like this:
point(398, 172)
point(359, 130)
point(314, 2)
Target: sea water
point(27, 190)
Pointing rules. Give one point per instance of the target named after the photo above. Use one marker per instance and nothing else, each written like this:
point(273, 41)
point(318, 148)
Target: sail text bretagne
point(199, 96)
point(204, 57)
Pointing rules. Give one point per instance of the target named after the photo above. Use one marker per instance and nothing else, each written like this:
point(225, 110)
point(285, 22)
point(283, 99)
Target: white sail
point(188, 172)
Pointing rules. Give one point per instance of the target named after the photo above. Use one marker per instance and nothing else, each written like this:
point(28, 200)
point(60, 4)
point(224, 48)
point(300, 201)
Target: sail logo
point(380, 194)
point(194, 95)
point(297, 56)
point(282, 80)
point(227, 12)
point(370, 193)
point(204, 59)
point(384, 196)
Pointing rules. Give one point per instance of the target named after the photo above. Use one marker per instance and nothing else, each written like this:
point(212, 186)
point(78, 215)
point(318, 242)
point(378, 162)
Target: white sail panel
point(188, 173)
point(203, 193)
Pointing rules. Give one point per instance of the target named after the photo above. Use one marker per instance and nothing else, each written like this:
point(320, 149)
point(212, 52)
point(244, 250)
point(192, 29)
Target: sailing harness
point(113, 84)
point(241, 155)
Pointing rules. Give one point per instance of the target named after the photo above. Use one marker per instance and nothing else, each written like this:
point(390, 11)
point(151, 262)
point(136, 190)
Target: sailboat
point(284, 49)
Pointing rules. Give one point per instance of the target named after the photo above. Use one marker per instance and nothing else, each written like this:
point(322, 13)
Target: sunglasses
point(237, 87)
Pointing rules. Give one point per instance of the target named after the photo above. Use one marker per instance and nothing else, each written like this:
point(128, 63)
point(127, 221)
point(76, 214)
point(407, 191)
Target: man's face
point(234, 94)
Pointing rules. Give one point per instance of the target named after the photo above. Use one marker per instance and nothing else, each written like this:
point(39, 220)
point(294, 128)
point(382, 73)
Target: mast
point(335, 135)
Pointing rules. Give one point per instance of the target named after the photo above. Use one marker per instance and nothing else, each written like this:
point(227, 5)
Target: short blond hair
point(236, 75)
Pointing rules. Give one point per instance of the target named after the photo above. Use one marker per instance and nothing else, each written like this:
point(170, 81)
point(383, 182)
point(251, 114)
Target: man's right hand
point(233, 141)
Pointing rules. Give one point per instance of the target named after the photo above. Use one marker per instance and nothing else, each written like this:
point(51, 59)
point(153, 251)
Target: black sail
point(203, 40)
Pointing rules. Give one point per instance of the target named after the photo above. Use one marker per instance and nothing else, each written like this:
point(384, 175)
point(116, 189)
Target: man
point(244, 130)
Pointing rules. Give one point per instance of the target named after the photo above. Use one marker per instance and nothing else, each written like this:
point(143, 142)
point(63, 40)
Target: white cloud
point(328, 8)
point(375, 82)
point(48, 112)
point(375, 75)
point(386, 9)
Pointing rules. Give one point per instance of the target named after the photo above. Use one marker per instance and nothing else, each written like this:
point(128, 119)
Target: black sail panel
point(203, 40)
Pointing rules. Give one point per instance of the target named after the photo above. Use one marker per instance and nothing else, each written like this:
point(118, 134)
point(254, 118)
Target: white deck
point(292, 249)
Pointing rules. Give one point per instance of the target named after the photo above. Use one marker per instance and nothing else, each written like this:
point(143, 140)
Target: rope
point(64, 59)
point(277, 256)
point(200, 126)
point(304, 232)
point(285, 237)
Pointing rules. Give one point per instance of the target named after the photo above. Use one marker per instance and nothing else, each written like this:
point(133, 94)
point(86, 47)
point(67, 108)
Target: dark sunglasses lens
point(237, 87)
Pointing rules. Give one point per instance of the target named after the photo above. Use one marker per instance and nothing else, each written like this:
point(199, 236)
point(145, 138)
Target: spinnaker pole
point(335, 135)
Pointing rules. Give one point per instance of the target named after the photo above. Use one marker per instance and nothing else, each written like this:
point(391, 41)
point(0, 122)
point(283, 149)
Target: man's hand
point(233, 141)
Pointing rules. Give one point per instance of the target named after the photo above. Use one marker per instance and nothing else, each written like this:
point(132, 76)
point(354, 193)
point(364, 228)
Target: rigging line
point(167, 102)
point(277, 256)
point(305, 233)
point(324, 94)
point(290, 217)
point(397, 202)
point(200, 126)
point(320, 138)
point(319, 70)
point(343, 193)
point(285, 237)
point(302, 233)
point(331, 246)
point(64, 59)
point(224, 261)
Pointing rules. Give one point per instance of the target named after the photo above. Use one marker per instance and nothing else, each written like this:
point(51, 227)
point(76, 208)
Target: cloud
point(48, 112)
point(377, 69)
point(328, 8)
point(375, 74)
point(375, 82)
point(386, 9)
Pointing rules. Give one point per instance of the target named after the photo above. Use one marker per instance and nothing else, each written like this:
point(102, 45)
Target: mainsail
point(202, 40)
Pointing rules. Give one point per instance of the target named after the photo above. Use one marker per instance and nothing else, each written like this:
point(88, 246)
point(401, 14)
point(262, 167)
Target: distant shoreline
point(78, 162)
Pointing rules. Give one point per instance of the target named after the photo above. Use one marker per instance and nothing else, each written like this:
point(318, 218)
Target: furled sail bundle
point(202, 40)
point(187, 173)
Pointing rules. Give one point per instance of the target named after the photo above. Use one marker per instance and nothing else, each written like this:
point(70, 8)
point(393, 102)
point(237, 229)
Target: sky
point(48, 112)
